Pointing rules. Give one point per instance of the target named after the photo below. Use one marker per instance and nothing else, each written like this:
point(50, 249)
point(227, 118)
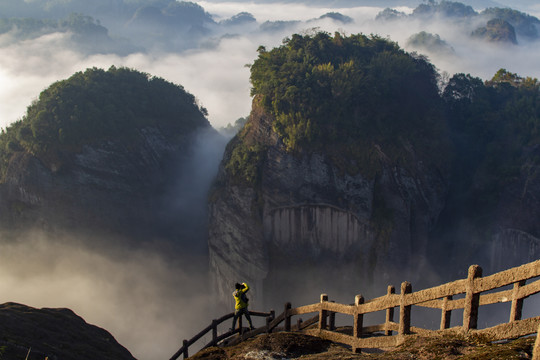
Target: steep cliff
point(317, 192)
point(309, 219)
point(99, 153)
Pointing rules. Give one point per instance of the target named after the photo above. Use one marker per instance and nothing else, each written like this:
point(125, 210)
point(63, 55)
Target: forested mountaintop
point(340, 93)
point(359, 155)
point(100, 151)
point(98, 105)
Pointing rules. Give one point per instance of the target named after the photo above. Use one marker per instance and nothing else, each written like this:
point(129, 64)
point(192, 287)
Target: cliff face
point(515, 222)
point(309, 218)
point(108, 187)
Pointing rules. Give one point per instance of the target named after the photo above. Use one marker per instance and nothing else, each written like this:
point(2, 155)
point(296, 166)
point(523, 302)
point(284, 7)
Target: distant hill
point(504, 25)
point(37, 334)
point(496, 30)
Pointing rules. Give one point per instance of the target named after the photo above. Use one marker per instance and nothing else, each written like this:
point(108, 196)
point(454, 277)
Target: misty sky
point(214, 70)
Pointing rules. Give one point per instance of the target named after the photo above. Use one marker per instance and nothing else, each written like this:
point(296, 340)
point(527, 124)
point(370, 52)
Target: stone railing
point(474, 291)
point(213, 327)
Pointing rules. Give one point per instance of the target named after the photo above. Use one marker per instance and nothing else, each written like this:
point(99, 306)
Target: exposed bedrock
point(309, 226)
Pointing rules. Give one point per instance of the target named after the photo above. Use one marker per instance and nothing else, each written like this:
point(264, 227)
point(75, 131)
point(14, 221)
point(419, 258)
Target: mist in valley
point(154, 295)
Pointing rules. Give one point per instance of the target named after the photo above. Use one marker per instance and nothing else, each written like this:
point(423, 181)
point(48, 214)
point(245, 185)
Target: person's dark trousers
point(239, 313)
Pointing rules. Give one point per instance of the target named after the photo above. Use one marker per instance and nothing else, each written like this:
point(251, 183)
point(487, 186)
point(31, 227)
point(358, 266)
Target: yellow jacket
point(240, 304)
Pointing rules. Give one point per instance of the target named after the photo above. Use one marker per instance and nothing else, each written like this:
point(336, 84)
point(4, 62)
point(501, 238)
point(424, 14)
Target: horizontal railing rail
point(213, 327)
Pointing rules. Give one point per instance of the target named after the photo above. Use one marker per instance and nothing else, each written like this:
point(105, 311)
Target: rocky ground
point(53, 334)
point(284, 346)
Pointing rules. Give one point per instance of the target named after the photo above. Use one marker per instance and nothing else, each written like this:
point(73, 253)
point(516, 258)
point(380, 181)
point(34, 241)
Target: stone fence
point(473, 292)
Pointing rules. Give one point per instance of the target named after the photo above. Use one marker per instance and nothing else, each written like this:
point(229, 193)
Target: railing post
point(299, 324)
point(332, 320)
point(358, 322)
point(272, 317)
point(390, 311)
point(536, 350)
point(214, 330)
point(185, 352)
point(269, 320)
point(322, 313)
point(404, 311)
point(446, 315)
point(517, 304)
point(287, 317)
point(472, 300)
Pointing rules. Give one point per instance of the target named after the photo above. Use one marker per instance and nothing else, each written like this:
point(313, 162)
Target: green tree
point(346, 92)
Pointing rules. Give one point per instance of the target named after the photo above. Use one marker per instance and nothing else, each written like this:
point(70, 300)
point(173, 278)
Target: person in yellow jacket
point(241, 304)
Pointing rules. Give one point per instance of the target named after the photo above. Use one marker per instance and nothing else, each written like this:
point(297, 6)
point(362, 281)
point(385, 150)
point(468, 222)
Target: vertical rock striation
point(308, 222)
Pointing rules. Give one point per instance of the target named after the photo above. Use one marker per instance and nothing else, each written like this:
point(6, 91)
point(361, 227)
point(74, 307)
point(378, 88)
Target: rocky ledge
point(298, 346)
point(37, 334)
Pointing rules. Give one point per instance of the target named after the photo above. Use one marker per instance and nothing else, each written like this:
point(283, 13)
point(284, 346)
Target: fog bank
point(148, 302)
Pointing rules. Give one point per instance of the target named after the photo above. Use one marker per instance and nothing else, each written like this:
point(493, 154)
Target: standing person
point(241, 304)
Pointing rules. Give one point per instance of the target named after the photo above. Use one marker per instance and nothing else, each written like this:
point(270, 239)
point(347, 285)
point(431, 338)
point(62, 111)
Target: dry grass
point(284, 346)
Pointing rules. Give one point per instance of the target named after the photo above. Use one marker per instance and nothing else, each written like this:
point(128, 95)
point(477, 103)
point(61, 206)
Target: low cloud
point(148, 301)
point(215, 70)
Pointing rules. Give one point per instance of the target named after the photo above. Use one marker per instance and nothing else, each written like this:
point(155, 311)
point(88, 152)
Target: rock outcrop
point(109, 187)
point(30, 333)
point(515, 223)
point(308, 223)
point(101, 153)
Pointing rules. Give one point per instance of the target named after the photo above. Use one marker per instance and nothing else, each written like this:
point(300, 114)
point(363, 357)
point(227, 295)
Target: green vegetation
point(524, 24)
point(99, 105)
point(430, 42)
point(390, 14)
point(496, 30)
point(343, 94)
point(29, 28)
point(245, 163)
point(444, 8)
point(495, 125)
point(233, 129)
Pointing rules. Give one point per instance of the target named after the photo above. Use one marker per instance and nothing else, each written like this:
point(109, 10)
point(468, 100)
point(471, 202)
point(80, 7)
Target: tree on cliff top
point(99, 105)
point(328, 91)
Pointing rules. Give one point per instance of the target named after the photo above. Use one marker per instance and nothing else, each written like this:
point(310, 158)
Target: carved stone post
point(214, 330)
point(269, 320)
point(390, 311)
point(323, 313)
point(404, 311)
point(358, 322)
point(287, 317)
point(186, 345)
point(517, 304)
point(332, 320)
point(536, 350)
point(446, 315)
point(472, 300)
